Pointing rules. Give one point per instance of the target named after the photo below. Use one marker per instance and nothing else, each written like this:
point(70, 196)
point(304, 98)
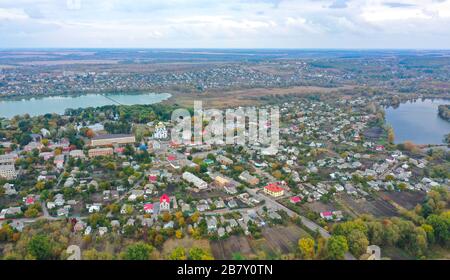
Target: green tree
point(93, 254)
point(40, 247)
point(441, 227)
point(196, 253)
point(237, 257)
point(138, 251)
point(357, 242)
point(31, 212)
point(178, 254)
point(336, 247)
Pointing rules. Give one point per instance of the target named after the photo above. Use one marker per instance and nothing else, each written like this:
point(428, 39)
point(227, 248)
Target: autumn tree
point(90, 133)
point(306, 247)
point(391, 135)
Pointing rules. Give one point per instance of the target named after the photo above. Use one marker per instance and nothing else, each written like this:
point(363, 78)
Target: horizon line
point(215, 48)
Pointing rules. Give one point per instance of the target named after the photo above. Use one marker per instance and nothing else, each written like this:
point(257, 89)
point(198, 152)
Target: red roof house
point(148, 208)
point(29, 201)
point(171, 158)
point(164, 203)
point(274, 190)
point(328, 215)
point(152, 178)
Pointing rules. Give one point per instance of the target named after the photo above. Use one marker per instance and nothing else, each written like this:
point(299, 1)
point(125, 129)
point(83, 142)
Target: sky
point(346, 24)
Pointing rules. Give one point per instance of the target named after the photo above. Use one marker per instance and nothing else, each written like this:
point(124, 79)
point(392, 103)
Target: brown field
point(318, 206)
point(7, 66)
point(224, 249)
point(283, 239)
point(243, 97)
point(187, 243)
point(406, 199)
point(68, 62)
point(377, 207)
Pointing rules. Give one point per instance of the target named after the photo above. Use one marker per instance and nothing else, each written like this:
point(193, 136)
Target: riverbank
point(444, 112)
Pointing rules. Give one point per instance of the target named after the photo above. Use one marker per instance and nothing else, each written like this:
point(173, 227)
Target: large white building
point(112, 139)
point(77, 154)
point(197, 182)
point(8, 171)
point(160, 133)
point(8, 159)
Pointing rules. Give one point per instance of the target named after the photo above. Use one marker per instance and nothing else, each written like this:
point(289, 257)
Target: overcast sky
point(225, 23)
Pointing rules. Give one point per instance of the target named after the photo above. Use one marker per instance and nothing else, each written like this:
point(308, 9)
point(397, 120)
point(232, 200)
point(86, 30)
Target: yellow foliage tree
point(306, 247)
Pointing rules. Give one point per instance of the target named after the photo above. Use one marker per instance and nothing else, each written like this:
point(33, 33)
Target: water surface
point(418, 121)
point(58, 104)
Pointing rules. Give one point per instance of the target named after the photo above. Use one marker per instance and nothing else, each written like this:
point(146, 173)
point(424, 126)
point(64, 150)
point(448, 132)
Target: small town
point(106, 177)
point(199, 139)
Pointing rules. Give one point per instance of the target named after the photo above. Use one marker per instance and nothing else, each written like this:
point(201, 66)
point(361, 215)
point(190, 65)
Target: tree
point(391, 135)
point(237, 256)
point(166, 217)
point(430, 233)
point(306, 247)
point(375, 232)
point(40, 247)
point(336, 247)
point(93, 254)
point(195, 216)
point(196, 253)
point(40, 185)
point(44, 142)
point(357, 242)
point(90, 133)
point(179, 234)
point(347, 227)
point(178, 254)
point(159, 240)
point(31, 212)
point(441, 227)
point(138, 251)
point(6, 232)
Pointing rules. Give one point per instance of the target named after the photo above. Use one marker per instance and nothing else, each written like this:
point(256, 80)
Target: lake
point(58, 104)
point(418, 121)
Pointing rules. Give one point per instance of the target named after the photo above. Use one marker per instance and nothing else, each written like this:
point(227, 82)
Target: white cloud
point(381, 14)
point(12, 14)
point(231, 23)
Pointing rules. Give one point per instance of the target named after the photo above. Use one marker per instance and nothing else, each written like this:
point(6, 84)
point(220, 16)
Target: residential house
point(249, 179)
point(164, 203)
point(274, 190)
point(197, 182)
